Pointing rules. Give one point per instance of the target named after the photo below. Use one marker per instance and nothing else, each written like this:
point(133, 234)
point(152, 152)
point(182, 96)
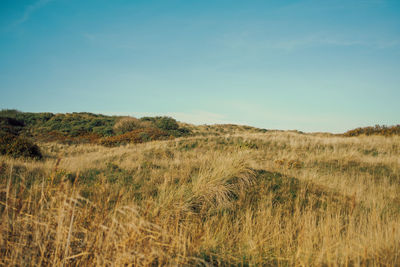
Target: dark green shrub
point(24, 148)
point(180, 132)
point(17, 147)
point(87, 127)
point(28, 118)
point(150, 119)
point(167, 123)
point(9, 113)
point(6, 139)
point(10, 125)
point(77, 124)
point(6, 121)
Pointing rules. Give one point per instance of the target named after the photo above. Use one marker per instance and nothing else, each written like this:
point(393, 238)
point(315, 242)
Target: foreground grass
point(273, 198)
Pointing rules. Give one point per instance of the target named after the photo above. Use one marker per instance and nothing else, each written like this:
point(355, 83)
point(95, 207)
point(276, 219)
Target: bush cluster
point(55, 136)
point(167, 124)
point(86, 127)
point(127, 124)
point(376, 130)
point(71, 124)
point(15, 146)
point(10, 125)
point(76, 124)
point(164, 123)
point(27, 118)
point(135, 136)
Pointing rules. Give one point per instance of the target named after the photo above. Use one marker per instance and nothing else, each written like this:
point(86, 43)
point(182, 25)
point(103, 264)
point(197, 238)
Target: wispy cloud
point(290, 44)
point(331, 5)
point(324, 40)
point(89, 36)
point(312, 40)
point(30, 10)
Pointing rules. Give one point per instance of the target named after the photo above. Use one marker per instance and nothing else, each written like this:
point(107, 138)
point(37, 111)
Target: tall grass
point(271, 198)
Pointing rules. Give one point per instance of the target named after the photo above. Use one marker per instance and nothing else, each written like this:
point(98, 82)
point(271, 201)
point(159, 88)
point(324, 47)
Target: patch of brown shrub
point(128, 124)
point(376, 130)
point(135, 136)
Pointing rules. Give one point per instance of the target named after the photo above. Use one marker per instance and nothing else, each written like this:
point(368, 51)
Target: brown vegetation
point(84, 127)
point(127, 124)
point(135, 136)
point(376, 130)
point(236, 198)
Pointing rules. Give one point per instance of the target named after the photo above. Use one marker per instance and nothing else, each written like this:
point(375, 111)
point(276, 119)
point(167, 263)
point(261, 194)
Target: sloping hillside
point(230, 196)
point(84, 127)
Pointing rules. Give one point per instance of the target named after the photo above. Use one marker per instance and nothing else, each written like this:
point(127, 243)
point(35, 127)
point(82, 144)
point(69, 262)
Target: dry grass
point(239, 198)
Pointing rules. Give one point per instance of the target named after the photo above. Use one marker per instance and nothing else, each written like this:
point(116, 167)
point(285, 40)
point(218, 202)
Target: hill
point(215, 195)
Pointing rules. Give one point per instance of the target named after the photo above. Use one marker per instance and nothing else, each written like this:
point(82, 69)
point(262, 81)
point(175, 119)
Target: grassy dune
point(236, 198)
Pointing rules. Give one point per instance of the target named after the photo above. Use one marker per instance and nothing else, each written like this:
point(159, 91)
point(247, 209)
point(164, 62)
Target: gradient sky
point(308, 65)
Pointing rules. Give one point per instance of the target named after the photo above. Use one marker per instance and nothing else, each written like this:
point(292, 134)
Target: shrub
point(10, 122)
point(11, 125)
point(76, 124)
point(149, 119)
point(27, 118)
point(127, 124)
point(15, 146)
point(135, 136)
point(167, 123)
point(6, 139)
point(179, 132)
point(376, 130)
point(22, 147)
point(86, 127)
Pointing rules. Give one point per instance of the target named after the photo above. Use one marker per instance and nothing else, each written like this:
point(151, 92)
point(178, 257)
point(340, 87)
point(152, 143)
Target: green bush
point(76, 124)
point(6, 139)
point(27, 118)
point(86, 127)
point(166, 123)
point(10, 125)
point(179, 132)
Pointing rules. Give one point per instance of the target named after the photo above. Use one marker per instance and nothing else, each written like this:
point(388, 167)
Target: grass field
point(218, 197)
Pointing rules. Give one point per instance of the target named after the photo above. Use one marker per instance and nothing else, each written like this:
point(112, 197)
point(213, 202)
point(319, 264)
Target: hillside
point(196, 195)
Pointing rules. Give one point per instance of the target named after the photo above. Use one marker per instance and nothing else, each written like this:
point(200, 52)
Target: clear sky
point(310, 65)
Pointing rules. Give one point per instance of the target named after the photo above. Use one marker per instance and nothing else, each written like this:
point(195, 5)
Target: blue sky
point(309, 65)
